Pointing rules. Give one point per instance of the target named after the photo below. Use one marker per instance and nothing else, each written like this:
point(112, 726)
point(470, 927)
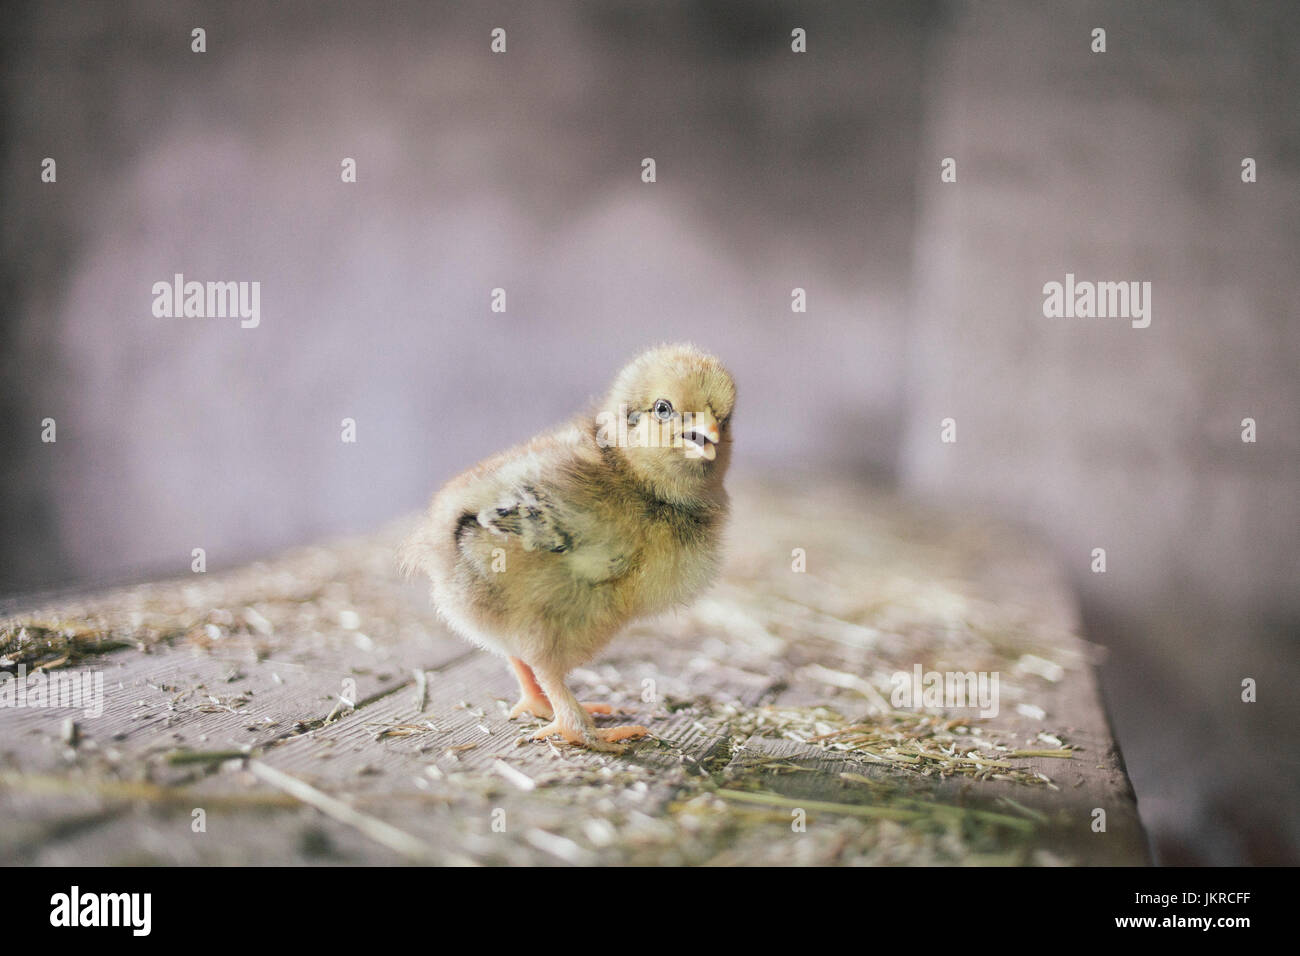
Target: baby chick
point(543, 552)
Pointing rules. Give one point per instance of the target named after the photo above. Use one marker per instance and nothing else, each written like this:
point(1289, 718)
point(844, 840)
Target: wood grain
point(732, 688)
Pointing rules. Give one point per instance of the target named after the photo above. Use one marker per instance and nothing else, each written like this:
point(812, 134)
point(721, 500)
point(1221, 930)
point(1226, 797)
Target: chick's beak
point(700, 434)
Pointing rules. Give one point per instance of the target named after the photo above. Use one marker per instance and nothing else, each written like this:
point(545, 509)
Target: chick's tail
point(414, 553)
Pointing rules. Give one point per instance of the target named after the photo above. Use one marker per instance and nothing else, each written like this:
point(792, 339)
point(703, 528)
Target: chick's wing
point(530, 515)
point(550, 505)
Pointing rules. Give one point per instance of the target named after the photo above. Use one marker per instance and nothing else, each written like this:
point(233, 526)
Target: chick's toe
point(604, 739)
point(537, 706)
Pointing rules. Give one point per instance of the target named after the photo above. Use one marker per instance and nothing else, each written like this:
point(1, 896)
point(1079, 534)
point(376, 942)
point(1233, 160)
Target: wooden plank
point(234, 836)
point(736, 688)
point(187, 698)
point(473, 767)
point(179, 699)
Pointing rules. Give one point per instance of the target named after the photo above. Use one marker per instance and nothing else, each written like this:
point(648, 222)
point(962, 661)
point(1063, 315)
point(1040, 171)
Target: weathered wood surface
point(315, 711)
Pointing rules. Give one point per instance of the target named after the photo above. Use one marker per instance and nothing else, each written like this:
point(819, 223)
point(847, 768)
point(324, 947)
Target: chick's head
point(668, 414)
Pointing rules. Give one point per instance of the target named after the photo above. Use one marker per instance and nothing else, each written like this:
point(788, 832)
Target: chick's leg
point(532, 699)
point(574, 723)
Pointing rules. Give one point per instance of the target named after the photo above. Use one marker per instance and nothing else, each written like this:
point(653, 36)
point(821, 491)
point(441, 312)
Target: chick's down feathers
point(543, 552)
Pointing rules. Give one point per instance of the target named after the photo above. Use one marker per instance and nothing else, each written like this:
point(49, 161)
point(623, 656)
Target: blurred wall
point(475, 171)
point(1126, 165)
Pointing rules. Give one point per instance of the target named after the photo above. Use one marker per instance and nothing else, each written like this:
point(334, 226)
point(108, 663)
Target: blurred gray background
point(775, 170)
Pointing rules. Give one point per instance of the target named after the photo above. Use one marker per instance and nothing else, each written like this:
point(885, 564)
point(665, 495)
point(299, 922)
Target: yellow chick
point(543, 552)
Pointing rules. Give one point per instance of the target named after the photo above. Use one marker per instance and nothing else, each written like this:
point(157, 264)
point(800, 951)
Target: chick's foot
point(602, 709)
point(533, 700)
point(604, 739)
point(535, 704)
point(539, 706)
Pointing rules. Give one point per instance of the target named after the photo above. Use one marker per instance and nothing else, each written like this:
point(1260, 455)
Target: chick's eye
point(663, 409)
